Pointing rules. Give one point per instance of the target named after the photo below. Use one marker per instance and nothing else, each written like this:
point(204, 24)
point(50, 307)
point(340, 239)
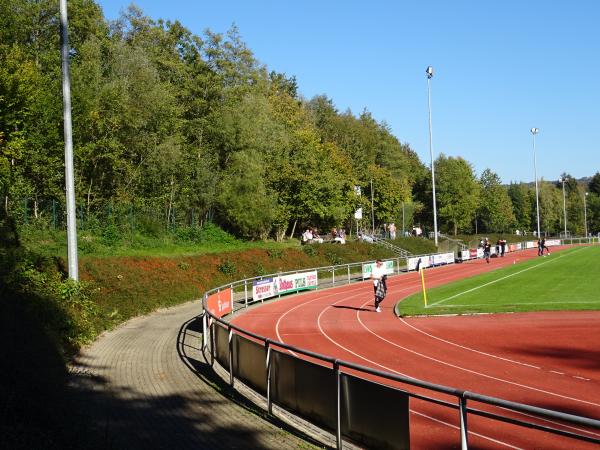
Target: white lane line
point(470, 432)
point(466, 348)
point(474, 372)
point(389, 369)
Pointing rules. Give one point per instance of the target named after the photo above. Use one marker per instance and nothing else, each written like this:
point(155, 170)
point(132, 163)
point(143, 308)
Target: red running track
point(545, 359)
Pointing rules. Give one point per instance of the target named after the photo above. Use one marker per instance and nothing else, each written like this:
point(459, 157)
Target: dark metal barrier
point(306, 388)
point(249, 366)
point(369, 406)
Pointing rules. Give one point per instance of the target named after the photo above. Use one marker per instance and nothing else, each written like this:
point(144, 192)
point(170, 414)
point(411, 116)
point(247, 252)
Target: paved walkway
point(146, 385)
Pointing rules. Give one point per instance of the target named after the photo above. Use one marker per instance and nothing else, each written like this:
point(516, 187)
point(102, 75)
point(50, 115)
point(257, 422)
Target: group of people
point(487, 248)
point(311, 235)
point(541, 245)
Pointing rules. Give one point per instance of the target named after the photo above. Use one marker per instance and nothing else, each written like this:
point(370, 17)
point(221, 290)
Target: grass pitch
point(565, 280)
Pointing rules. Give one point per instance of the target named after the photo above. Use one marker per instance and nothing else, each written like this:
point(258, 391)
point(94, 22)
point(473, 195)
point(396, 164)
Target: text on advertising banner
point(220, 303)
point(295, 282)
point(388, 267)
point(262, 289)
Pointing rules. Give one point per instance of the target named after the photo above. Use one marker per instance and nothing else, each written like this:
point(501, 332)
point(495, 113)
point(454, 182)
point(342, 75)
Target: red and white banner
point(262, 289)
point(220, 303)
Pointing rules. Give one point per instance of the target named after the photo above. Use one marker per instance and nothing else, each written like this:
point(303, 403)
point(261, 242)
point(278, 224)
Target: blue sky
point(501, 68)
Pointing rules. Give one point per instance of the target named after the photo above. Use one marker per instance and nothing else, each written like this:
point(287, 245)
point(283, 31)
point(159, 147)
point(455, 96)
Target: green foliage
point(63, 306)
point(458, 193)
point(227, 267)
point(275, 253)
point(309, 250)
point(496, 209)
point(334, 258)
point(213, 234)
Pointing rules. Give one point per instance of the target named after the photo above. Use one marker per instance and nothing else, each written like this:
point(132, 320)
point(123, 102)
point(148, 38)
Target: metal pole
point(564, 205)
point(585, 214)
point(69, 177)
point(403, 219)
point(535, 131)
point(429, 72)
point(372, 211)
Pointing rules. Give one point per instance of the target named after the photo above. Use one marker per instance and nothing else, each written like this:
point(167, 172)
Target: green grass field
point(565, 280)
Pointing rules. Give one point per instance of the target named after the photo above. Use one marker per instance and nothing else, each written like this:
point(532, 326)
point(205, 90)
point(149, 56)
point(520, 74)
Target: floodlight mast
point(69, 177)
point(563, 180)
point(585, 194)
point(535, 131)
point(429, 72)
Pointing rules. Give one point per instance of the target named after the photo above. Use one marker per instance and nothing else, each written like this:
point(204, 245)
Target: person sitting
point(307, 236)
point(316, 236)
point(339, 236)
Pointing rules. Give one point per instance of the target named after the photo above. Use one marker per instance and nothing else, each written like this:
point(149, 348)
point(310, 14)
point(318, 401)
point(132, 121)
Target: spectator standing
point(540, 246)
point(392, 229)
point(502, 247)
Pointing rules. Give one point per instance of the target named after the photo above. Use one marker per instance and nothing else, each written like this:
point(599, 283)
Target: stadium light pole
point(563, 180)
point(68, 135)
point(535, 131)
point(585, 213)
point(429, 72)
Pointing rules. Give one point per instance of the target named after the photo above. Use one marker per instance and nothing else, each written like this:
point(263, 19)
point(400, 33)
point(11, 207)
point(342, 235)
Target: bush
point(189, 234)
point(213, 234)
point(111, 235)
point(227, 267)
point(309, 250)
point(275, 253)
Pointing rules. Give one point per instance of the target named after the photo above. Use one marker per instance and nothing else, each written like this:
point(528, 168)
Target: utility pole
point(68, 135)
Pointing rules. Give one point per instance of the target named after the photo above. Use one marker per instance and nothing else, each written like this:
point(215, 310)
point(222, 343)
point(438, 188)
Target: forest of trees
point(196, 129)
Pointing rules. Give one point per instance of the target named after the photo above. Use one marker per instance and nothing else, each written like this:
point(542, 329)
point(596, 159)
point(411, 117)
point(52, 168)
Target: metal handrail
point(460, 395)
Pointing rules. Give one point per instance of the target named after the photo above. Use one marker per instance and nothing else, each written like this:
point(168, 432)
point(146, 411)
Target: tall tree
point(458, 193)
point(496, 211)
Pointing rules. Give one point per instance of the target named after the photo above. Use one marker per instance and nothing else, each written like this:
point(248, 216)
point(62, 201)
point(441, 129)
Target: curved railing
point(349, 398)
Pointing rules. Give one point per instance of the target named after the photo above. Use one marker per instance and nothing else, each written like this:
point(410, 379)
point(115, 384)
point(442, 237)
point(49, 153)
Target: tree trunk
point(293, 228)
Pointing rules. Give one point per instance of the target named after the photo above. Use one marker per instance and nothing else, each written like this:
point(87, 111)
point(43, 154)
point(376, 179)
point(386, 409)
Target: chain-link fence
point(52, 214)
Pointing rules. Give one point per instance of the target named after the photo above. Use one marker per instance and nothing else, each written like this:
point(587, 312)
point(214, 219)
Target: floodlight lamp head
point(429, 71)
point(535, 131)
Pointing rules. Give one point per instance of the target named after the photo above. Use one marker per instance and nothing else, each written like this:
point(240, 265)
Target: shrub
point(213, 234)
point(275, 253)
point(334, 258)
point(309, 250)
point(227, 267)
point(111, 235)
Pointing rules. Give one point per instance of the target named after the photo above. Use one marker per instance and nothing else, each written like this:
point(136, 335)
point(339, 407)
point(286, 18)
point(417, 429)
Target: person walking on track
point(379, 283)
point(487, 249)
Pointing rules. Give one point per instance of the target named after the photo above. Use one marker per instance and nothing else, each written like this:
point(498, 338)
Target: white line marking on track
point(470, 432)
point(466, 348)
point(474, 372)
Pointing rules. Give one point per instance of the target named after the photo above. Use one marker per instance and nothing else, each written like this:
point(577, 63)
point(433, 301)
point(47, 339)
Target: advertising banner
point(551, 242)
point(443, 258)
point(466, 254)
point(530, 244)
point(295, 282)
point(473, 253)
point(430, 260)
point(220, 303)
point(262, 289)
point(388, 267)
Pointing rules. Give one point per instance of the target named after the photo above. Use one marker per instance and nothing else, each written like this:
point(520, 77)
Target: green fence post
point(54, 214)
